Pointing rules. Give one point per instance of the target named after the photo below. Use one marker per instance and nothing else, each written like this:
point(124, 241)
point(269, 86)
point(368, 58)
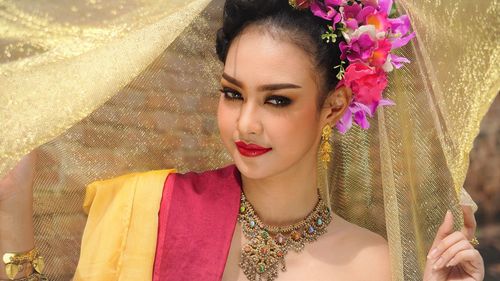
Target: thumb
point(469, 222)
point(445, 229)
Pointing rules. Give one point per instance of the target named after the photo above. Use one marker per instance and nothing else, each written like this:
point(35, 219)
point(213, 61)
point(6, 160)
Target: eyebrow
point(267, 87)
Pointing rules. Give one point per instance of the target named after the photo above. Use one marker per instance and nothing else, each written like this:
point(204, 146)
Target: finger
point(469, 255)
point(446, 243)
point(444, 230)
point(469, 222)
point(451, 252)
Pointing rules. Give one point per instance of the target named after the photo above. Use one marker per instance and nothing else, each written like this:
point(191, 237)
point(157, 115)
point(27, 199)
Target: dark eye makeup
point(279, 101)
point(231, 94)
point(273, 100)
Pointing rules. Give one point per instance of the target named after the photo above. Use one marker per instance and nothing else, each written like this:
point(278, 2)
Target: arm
point(16, 210)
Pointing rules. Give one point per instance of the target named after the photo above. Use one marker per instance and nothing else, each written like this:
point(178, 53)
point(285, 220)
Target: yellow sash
point(119, 241)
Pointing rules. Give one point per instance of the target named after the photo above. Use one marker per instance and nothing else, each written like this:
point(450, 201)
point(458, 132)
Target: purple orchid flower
point(350, 16)
point(385, 6)
point(360, 112)
point(399, 30)
point(398, 61)
point(400, 25)
point(355, 15)
point(383, 102)
point(345, 123)
point(401, 41)
point(327, 10)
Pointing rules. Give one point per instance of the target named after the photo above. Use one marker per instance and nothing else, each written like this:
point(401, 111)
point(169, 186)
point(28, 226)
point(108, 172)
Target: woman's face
point(268, 98)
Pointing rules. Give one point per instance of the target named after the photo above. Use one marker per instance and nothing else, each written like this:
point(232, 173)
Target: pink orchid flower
point(380, 54)
point(366, 49)
point(379, 20)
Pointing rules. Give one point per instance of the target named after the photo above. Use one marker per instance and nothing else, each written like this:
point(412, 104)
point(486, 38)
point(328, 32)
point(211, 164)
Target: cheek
point(225, 121)
point(297, 132)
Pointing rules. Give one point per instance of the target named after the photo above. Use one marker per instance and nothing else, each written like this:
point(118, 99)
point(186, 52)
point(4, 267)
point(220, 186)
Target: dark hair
point(279, 18)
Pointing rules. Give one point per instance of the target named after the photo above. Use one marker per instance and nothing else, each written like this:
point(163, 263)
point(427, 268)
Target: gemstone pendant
point(261, 259)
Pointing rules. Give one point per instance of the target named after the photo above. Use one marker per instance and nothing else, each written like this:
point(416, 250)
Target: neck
point(284, 198)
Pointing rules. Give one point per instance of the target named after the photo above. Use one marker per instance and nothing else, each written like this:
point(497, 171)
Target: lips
point(251, 150)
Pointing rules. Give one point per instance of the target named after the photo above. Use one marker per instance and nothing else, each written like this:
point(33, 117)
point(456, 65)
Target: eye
point(231, 94)
point(278, 101)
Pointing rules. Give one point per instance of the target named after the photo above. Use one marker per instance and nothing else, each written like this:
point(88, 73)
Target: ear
point(335, 105)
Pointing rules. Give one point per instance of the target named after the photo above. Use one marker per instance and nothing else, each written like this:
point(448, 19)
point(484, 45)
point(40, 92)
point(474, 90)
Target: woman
point(279, 92)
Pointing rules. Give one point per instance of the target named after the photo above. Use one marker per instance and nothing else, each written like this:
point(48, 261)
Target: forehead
point(255, 56)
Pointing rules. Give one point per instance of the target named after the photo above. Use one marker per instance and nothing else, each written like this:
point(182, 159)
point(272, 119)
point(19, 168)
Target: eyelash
point(278, 101)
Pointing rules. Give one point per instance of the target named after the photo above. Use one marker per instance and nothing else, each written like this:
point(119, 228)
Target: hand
point(452, 257)
point(19, 180)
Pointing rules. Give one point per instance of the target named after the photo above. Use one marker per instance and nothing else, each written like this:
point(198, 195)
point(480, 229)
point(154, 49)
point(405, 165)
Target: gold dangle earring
point(326, 147)
point(324, 158)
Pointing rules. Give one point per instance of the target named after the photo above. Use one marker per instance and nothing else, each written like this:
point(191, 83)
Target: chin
point(257, 169)
point(253, 168)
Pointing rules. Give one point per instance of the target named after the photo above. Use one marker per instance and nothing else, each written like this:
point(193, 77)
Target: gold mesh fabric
point(76, 55)
point(62, 64)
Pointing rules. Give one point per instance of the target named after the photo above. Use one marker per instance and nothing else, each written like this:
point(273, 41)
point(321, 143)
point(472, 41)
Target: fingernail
point(432, 253)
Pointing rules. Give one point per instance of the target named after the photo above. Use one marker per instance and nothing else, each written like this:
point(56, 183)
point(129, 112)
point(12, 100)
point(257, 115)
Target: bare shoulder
point(365, 253)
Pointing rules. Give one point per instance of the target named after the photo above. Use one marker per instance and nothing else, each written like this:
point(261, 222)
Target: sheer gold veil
point(104, 88)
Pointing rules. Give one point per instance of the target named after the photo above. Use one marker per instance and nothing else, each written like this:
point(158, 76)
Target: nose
point(249, 122)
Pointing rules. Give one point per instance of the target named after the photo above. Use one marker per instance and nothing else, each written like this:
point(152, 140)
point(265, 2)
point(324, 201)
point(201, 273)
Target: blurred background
point(483, 184)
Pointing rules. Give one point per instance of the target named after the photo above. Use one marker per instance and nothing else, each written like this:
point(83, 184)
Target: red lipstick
point(251, 150)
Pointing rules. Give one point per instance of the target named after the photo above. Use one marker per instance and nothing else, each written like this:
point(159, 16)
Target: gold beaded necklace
point(268, 245)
